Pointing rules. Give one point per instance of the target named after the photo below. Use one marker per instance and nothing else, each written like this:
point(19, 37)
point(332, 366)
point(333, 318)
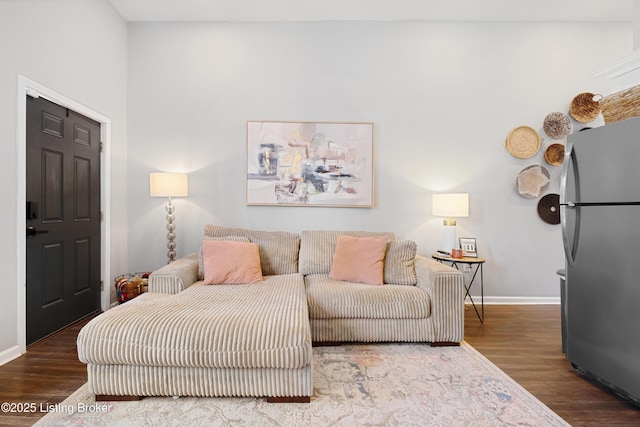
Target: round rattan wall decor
point(585, 107)
point(557, 125)
point(533, 181)
point(549, 209)
point(554, 154)
point(523, 142)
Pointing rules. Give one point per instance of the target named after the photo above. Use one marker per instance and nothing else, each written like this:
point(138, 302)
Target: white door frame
point(29, 87)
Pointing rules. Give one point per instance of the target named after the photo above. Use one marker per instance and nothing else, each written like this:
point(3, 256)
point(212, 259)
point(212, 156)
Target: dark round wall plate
point(549, 208)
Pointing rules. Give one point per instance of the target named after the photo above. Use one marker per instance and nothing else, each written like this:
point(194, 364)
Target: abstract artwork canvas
point(310, 164)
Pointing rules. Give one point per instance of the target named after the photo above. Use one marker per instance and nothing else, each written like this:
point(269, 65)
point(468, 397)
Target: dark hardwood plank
point(524, 341)
point(47, 373)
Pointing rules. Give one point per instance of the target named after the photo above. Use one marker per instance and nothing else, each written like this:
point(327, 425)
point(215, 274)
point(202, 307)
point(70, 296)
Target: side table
point(478, 262)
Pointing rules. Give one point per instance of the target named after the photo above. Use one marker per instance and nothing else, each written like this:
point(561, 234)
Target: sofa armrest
point(445, 286)
point(175, 277)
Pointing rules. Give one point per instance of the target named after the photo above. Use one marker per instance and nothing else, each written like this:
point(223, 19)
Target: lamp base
point(449, 241)
point(171, 235)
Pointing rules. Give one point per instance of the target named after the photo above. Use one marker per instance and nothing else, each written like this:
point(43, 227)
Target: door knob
point(32, 231)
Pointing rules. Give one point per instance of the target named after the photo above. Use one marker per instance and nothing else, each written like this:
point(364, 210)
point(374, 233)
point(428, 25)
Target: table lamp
point(452, 205)
point(167, 184)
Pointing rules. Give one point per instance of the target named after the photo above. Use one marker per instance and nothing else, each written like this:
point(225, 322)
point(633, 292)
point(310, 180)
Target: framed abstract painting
point(309, 164)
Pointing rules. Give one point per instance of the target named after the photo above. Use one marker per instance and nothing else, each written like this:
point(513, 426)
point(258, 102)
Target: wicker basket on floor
point(129, 286)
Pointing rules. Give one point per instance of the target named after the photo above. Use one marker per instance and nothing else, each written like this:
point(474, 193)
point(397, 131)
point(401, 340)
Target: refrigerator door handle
point(568, 247)
point(569, 160)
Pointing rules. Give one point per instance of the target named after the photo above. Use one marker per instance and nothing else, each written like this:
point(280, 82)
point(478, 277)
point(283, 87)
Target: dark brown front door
point(63, 217)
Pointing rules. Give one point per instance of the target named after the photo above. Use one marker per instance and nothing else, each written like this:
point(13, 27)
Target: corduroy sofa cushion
point(399, 263)
point(278, 249)
point(264, 325)
point(336, 299)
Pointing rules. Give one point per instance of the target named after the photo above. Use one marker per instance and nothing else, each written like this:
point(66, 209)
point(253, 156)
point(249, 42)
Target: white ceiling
point(375, 10)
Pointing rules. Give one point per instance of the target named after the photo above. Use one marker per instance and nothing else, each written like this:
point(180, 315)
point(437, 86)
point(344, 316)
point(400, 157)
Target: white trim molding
point(34, 89)
point(516, 300)
point(9, 354)
point(623, 73)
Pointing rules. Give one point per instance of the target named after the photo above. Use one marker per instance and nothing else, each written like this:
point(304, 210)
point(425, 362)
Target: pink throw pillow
point(359, 259)
point(227, 262)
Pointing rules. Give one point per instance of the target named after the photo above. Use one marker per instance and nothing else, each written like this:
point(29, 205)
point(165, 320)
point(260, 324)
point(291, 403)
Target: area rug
point(354, 385)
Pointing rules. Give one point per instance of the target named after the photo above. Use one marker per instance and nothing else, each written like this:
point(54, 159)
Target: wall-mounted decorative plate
point(557, 125)
point(533, 181)
point(523, 142)
point(584, 107)
point(554, 154)
point(549, 208)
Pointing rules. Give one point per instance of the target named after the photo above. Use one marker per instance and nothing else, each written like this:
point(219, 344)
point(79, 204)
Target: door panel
point(82, 189)
point(606, 160)
point(52, 186)
point(83, 264)
point(63, 217)
point(52, 274)
point(52, 125)
point(603, 292)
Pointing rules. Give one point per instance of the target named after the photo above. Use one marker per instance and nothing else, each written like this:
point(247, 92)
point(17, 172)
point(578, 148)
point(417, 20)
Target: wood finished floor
point(524, 341)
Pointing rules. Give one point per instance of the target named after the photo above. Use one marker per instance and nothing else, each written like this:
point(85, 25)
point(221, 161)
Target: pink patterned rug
point(354, 385)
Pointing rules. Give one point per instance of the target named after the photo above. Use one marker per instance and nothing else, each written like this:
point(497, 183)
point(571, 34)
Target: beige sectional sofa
point(190, 339)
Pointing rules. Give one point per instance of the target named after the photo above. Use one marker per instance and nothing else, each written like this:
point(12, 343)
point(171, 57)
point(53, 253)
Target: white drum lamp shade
point(169, 184)
point(450, 205)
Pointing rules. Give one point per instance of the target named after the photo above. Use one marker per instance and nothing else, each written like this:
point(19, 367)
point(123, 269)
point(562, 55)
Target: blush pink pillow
point(227, 262)
point(359, 259)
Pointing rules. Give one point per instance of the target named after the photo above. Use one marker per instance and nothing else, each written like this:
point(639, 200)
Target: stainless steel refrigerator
point(600, 218)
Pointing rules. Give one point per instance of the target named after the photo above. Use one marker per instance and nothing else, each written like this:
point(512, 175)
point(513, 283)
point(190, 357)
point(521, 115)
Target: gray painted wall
point(76, 48)
point(443, 97)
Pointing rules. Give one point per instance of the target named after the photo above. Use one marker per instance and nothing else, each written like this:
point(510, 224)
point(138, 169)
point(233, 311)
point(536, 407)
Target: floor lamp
point(165, 184)
point(452, 205)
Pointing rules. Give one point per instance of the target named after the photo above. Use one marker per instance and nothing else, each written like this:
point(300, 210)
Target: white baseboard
point(9, 354)
point(516, 300)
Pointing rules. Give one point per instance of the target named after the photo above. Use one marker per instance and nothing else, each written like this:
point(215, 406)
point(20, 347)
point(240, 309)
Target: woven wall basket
point(621, 105)
point(533, 181)
point(554, 154)
point(585, 107)
point(557, 125)
point(523, 142)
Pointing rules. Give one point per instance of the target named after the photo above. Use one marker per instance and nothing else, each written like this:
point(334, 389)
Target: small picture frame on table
point(468, 246)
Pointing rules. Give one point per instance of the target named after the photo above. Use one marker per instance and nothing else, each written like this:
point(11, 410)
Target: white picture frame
point(468, 246)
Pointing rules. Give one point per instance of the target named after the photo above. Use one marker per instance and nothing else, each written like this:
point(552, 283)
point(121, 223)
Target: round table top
point(464, 259)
